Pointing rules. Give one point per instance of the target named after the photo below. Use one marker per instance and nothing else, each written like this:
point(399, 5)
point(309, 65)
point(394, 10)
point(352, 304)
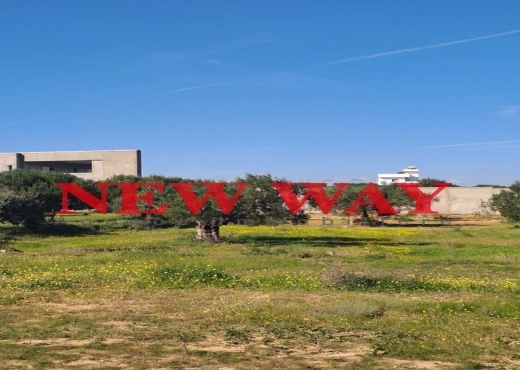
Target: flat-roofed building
point(94, 165)
point(409, 175)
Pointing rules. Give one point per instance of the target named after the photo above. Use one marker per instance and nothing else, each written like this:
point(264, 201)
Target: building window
point(9, 167)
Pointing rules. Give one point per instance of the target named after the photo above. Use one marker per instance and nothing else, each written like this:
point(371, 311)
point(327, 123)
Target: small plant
point(188, 336)
point(236, 336)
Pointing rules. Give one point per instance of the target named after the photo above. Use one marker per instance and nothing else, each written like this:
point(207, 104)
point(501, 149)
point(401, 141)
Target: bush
point(28, 197)
point(506, 202)
point(21, 208)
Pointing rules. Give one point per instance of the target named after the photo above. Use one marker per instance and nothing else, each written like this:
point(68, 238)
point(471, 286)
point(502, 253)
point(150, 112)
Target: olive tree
point(507, 203)
point(27, 198)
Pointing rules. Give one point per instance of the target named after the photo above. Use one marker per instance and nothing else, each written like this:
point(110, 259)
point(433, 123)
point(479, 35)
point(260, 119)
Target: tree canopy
point(506, 202)
point(432, 181)
point(28, 197)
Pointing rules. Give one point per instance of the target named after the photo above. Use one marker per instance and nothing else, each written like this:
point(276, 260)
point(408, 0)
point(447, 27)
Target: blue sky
point(307, 90)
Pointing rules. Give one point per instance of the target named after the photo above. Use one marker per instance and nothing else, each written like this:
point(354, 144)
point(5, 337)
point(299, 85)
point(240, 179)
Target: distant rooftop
point(408, 175)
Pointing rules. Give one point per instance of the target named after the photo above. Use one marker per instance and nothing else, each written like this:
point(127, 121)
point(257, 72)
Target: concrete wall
point(105, 163)
point(121, 163)
point(11, 161)
point(460, 200)
point(451, 200)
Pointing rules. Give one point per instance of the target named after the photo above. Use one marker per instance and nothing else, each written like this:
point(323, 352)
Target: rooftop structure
point(94, 165)
point(409, 175)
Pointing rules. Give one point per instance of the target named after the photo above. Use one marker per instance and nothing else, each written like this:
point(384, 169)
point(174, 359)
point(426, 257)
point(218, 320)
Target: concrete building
point(409, 175)
point(94, 165)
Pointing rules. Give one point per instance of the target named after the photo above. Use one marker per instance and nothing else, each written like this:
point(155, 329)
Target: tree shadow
point(320, 241)
point(426, 225)
point(49, 229)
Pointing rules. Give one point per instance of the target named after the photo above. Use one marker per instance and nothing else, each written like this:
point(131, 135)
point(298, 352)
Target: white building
point(409, 175)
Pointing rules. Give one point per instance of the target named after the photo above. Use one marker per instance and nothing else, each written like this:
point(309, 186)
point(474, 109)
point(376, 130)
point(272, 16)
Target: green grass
point(295, 297)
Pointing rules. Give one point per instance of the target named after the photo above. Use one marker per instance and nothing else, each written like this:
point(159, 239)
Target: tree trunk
point(209, 232)
point(365, 215)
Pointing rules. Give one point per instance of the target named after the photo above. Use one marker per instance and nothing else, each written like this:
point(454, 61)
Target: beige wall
point(121, 163)
point(15, 160)
point(63, 156)
point(460, 200)
point(451, 200)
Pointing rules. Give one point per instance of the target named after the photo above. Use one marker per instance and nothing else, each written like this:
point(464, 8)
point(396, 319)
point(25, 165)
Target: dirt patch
point(356, 334)
point(217, 344)
point(121, 325)
point(15, 365)
point(95, 364)
point(353, 353)
point(208, 347)
point(501, 363)
point(393, 363)
point(70, 307)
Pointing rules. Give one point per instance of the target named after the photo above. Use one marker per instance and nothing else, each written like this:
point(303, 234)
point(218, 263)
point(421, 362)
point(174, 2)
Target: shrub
point(506, 202)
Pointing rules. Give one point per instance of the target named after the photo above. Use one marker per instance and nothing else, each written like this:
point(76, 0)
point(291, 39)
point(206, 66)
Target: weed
point(237, 336)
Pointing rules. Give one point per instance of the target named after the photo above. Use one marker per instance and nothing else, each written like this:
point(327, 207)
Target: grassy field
point(424, 295)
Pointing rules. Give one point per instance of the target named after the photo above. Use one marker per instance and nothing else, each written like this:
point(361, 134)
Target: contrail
point(371, 56)
point(16, 122)
point(198, 87)
point(471, 144)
